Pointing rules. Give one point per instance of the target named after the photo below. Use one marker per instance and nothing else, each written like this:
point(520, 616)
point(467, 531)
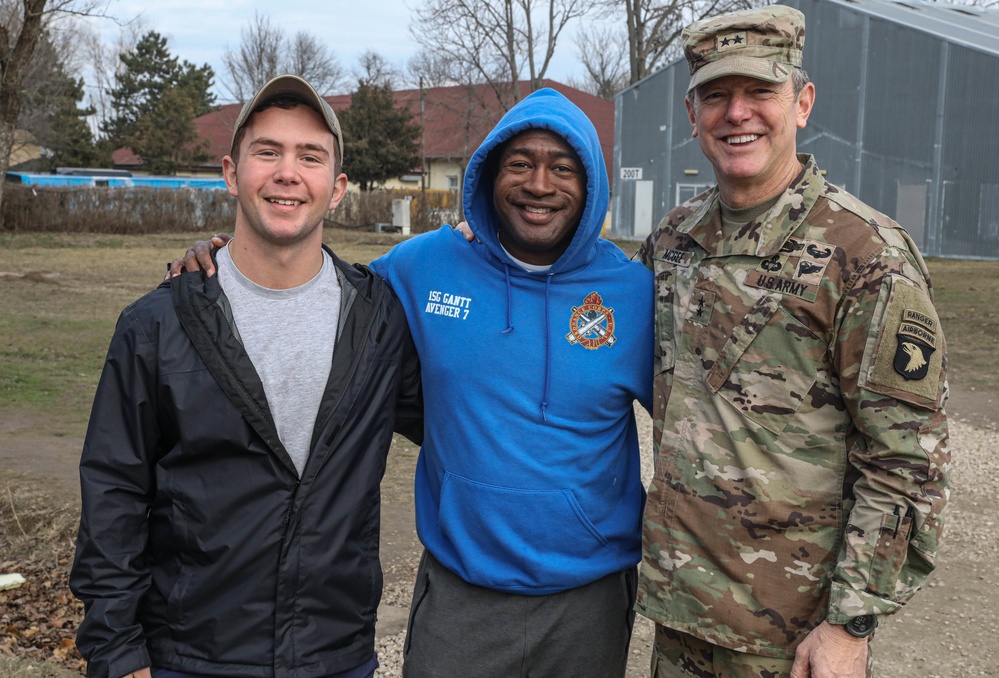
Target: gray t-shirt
point(289, 336)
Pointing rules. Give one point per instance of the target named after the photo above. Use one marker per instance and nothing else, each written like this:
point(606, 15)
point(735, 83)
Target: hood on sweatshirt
point(544, 109)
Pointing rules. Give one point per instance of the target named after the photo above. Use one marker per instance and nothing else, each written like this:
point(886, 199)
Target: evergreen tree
point(197, 82)
point(380, 140)
point(165, 137)
point(155, 101)
point(148, 71)
point(72, 142)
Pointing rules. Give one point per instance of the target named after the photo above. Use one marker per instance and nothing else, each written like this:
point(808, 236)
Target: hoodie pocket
point(511, 538)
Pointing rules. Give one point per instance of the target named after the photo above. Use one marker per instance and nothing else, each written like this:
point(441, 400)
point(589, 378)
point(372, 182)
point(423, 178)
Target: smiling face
point(747, 128)
point(539, 195)
point(285, 180)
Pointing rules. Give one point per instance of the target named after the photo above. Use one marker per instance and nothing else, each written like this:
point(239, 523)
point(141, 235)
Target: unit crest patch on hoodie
point(592, 324)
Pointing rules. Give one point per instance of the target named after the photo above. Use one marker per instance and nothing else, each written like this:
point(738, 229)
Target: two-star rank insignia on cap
point(730, 41)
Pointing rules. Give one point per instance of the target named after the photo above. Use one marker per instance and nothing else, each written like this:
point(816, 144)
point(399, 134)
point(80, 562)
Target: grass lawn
point(63, 292)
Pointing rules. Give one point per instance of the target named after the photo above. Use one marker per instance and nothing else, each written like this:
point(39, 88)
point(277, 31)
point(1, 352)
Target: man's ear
point(690, 115)
point(229, 174)
point(339, 190)
point(806, 100)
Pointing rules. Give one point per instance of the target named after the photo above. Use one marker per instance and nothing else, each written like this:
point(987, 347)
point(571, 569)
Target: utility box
point(400, 214)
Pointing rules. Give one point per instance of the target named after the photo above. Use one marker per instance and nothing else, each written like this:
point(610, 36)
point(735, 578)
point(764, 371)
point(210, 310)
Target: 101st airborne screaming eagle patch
point(908, 359)
point(917, 340)
point(592, 324)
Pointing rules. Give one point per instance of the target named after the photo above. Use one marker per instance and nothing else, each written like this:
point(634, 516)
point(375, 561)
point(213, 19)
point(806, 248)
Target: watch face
point(862, 626)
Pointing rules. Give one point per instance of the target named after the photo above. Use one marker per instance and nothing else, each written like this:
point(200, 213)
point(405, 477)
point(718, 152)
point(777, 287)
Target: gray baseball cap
point(297, 87)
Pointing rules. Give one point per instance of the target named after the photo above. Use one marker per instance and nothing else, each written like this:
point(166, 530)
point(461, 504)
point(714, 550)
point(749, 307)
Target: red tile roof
point(446, 117)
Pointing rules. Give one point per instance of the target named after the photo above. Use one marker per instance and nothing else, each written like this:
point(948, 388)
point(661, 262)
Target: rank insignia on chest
point(592, 324)
point(701, 304)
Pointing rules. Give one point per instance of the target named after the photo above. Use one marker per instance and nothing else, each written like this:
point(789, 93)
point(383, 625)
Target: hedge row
point(151, 210)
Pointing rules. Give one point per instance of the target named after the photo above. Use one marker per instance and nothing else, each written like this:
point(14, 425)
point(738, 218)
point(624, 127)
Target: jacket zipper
point(329, 441)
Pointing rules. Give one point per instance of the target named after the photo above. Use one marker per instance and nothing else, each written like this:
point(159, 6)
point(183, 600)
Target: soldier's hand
point(830, 652)
point(141, 673)
point(465, 230)
point(198, 257)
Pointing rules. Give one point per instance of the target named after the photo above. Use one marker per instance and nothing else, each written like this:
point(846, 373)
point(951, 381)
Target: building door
point(642, 225)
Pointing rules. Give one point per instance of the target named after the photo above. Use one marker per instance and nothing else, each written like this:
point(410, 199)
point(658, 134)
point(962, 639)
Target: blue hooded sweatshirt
point(529, 480)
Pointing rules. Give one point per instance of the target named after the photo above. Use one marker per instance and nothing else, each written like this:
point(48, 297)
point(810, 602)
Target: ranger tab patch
point(592, 324)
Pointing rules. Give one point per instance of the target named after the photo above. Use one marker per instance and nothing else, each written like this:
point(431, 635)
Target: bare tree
point(310, 59)
point(457, 95)
point(654, 27)
point(256, 61)
point(501, 41)
point(102, 63)
point(430, 69)
point(603, 52)
point(374, 70)
point(265, 52)
point(21, 27)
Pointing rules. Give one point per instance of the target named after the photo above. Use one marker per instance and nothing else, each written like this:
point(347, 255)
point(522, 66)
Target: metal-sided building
point(906, 118)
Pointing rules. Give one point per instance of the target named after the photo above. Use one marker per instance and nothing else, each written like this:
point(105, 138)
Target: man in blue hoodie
point(535, 340)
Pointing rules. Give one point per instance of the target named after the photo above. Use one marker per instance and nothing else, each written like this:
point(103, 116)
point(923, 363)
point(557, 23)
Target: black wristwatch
point(861, 627)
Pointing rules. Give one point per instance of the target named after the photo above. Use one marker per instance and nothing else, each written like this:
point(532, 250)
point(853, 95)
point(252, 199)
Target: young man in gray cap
point(801, 441)
point(239, 432)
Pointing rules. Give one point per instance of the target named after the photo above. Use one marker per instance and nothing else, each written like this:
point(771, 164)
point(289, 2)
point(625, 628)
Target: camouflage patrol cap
point(763, 43)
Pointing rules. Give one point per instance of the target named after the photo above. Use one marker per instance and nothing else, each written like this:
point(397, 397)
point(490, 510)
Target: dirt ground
point(949, 630)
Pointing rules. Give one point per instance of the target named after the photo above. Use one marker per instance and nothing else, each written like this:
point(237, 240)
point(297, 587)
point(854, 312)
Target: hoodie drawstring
point(548, 348)
point(548, 332)
point(509, 302)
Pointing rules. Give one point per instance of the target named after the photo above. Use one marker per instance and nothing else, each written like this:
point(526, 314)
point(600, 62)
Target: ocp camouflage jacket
point(801, 442)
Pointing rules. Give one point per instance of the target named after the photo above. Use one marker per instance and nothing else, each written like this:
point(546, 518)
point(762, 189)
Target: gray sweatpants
point(457, 630)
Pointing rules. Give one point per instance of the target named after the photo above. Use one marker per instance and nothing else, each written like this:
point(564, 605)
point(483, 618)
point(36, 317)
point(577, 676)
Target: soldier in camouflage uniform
point(801, 442)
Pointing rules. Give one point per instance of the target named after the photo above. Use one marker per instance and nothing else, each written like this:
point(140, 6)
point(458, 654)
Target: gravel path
point(949, 630)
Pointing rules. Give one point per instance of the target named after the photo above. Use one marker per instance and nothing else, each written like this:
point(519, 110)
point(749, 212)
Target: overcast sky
point(201, 30)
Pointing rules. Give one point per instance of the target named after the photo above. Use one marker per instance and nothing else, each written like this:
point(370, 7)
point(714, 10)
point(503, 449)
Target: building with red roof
point(455, 120)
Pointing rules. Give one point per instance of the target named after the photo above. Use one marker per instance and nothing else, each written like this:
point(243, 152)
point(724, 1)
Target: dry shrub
point(428, 210)
point(115, 210)
point(34, 525)
point(151, 210)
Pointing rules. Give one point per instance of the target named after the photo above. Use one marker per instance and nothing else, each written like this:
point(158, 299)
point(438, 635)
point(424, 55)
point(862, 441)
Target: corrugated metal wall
point(903, 119)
